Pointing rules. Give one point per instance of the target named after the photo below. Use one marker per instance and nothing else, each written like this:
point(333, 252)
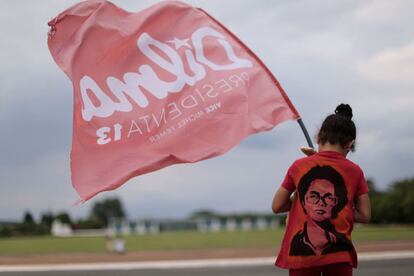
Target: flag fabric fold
point(162, 86)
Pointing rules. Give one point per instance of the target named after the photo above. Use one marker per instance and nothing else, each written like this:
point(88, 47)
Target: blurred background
point(322, 52)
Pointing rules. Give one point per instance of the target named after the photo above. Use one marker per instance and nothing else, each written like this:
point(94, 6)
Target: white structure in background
point(231, 224)
point(246, 224)
point(261, 224)
point(60, 229)
point(235, 222)
point(203, 223)
point(140, 227)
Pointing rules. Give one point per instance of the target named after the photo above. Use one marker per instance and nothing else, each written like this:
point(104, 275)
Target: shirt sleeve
point(362, 185)
point(288, 182)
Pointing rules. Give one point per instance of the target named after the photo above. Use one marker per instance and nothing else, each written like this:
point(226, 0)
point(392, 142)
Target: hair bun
point(344, 110)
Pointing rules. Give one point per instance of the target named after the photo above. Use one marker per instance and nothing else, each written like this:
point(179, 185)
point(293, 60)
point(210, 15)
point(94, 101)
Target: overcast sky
point(322, 52)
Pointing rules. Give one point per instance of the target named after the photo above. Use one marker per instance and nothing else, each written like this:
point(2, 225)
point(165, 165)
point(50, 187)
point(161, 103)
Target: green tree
point(106, 209)
point(378, 210)
point(90, 223)
point(64, 217)
point(372, 188)
point(395, 205)
point(47, 219)
point(6, 231)
point(28, 218)
point(203, 214)
point(28, 226)
point(401, 201)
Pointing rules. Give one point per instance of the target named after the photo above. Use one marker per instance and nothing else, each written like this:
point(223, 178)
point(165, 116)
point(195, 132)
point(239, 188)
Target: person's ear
point(318, 140)
point(350, 145)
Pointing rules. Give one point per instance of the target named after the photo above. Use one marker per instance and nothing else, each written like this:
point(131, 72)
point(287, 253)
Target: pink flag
point(158, 87)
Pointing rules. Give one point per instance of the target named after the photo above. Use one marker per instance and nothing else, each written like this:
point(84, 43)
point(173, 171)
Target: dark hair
point(327, 173)
point(338, 128)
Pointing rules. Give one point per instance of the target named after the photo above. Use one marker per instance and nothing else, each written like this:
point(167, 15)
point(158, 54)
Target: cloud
point(383, 11)
point(392, 65)
point(36, 187)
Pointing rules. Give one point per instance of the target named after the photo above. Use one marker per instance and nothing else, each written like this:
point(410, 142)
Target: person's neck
point(317, 236)
point(333, 147)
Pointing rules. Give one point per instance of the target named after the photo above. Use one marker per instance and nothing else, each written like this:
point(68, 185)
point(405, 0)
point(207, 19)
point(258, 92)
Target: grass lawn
point(183, 241)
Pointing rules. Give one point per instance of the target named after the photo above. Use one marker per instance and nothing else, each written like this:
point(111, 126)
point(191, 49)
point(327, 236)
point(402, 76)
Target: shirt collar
point(331, 154)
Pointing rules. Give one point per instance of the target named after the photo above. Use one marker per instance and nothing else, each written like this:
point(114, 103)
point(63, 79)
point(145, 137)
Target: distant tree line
point(394, 205)
point(99, 216)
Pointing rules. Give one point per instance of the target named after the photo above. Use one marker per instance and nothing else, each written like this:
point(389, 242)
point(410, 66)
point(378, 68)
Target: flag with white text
point(165, 85)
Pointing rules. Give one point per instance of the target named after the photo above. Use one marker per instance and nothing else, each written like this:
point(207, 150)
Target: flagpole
point(302, 126)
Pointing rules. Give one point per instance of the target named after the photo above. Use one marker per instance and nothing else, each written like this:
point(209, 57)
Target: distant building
point(230, 222)
point(60, 229)
point(201, 221)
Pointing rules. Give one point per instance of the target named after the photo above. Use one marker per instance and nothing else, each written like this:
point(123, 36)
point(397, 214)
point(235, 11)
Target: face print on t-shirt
point(320, 200)
point(322, 194)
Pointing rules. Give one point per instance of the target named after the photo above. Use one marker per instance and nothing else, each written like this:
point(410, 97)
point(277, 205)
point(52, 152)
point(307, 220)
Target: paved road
point(366, 268)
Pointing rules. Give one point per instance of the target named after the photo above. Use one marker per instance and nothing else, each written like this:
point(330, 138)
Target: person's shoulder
point(303, 160)
point(298, 166)
point(353, 165)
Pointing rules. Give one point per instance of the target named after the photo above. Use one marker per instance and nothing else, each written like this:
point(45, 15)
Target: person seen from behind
point(325, 194)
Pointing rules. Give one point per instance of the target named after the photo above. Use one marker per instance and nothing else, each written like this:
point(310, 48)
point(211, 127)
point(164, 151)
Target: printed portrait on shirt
point(322, 194)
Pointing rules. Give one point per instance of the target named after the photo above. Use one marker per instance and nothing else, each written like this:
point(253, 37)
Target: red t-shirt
point(320, 221)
